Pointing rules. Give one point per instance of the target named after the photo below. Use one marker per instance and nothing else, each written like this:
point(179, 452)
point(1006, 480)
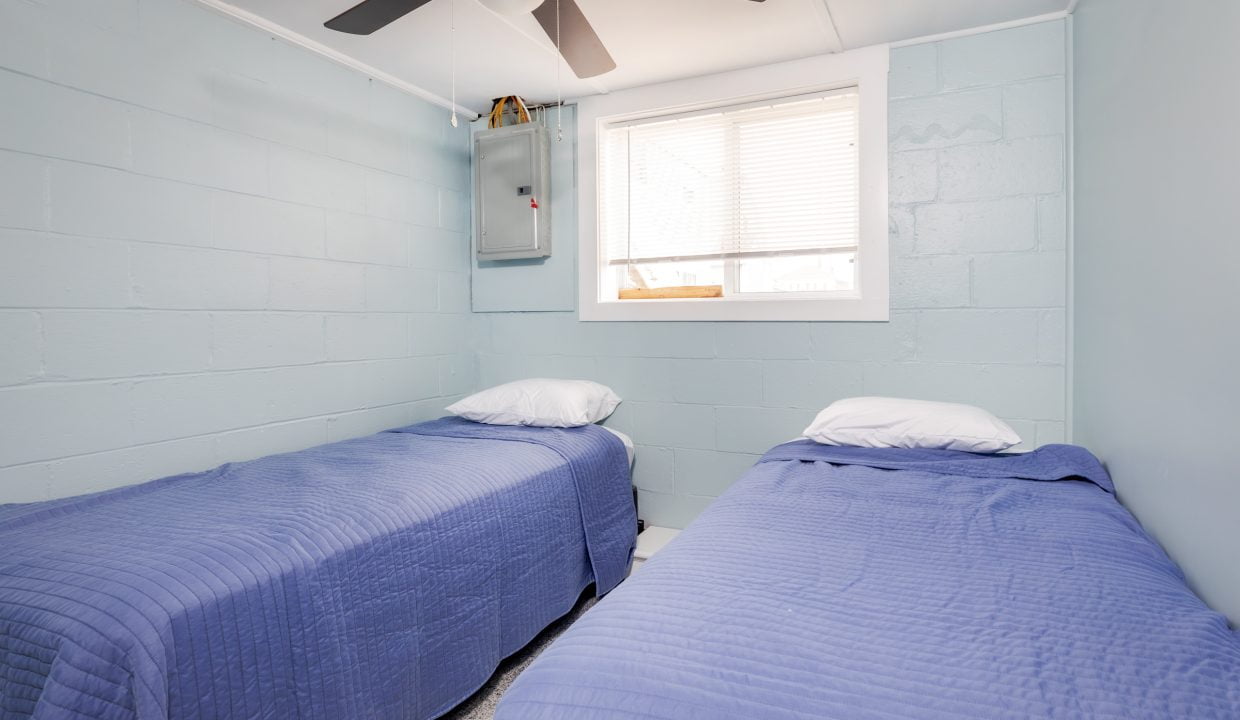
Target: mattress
point(383, 577)
point(879, 584)
point(629, 449)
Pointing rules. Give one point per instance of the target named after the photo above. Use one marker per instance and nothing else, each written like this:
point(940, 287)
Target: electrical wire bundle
point(498, 108)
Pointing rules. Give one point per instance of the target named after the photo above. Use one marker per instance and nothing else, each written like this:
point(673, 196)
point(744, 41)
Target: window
point(768, 206)
point(757, 200)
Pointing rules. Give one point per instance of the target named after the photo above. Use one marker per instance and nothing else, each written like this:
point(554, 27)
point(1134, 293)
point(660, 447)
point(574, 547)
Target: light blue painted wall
point(978, 234)
point(213, 246)
point(1156, 263)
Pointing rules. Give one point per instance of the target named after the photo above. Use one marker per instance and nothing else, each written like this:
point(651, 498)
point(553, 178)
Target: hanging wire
point(559, 96)
point(452, 52)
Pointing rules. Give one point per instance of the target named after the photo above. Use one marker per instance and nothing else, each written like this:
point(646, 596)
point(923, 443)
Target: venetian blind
point(771, 178)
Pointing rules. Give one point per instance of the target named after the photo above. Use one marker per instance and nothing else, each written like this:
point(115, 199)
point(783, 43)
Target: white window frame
point(865, 69)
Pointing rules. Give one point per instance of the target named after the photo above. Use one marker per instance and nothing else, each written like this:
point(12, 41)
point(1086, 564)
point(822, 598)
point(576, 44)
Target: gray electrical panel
point(512, 192)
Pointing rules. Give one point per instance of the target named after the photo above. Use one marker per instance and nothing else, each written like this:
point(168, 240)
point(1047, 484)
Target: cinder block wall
point(978, 230)
point(213, 246)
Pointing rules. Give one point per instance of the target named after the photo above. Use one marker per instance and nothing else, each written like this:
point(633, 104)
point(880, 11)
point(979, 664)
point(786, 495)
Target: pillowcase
point(878, 422)
point(539, 402)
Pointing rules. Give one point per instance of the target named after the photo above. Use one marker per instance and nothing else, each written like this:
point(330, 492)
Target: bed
point(382, 577)
point(835, 582)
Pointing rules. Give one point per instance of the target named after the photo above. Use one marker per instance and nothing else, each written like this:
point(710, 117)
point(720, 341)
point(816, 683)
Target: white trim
point(726, 105)
point(866, 67)
point(318, 48)
point(982, 29)
point(1072, 6)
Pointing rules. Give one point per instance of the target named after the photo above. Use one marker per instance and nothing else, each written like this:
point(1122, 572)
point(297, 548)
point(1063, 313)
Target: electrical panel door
point(512, 192)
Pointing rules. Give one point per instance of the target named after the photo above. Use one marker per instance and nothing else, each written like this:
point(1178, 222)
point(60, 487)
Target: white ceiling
point(651, 40)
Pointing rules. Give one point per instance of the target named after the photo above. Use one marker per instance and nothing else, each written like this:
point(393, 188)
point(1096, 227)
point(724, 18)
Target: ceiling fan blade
point(367, 17)
point(579, 44)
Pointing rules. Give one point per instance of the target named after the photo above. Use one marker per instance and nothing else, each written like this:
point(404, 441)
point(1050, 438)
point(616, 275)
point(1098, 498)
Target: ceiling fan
point(578, 43)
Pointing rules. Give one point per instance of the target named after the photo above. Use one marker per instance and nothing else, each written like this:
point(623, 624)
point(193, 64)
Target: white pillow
point(539, 402)
point(879, 422)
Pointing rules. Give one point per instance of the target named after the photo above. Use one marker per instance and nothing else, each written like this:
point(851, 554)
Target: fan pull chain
point(452, 52)
point(559, 96)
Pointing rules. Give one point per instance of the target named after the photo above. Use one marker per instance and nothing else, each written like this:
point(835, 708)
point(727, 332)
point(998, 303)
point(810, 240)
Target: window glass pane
point(760, 197)
point(671, 274)
point(798, 182)
point(676, 182)
point(831, 272)
point(767, 177)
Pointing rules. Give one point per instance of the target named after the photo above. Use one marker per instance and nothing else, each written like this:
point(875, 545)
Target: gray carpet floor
point(481, 705)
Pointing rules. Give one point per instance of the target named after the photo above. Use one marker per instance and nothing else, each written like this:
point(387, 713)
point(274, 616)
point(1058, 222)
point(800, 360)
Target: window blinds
point(773, 178)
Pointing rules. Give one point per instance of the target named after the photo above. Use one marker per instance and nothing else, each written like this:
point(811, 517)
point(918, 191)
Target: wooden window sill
point(668, 293)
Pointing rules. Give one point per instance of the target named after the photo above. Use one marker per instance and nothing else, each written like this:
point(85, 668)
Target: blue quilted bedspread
point(886, 584)
point(383, 577)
